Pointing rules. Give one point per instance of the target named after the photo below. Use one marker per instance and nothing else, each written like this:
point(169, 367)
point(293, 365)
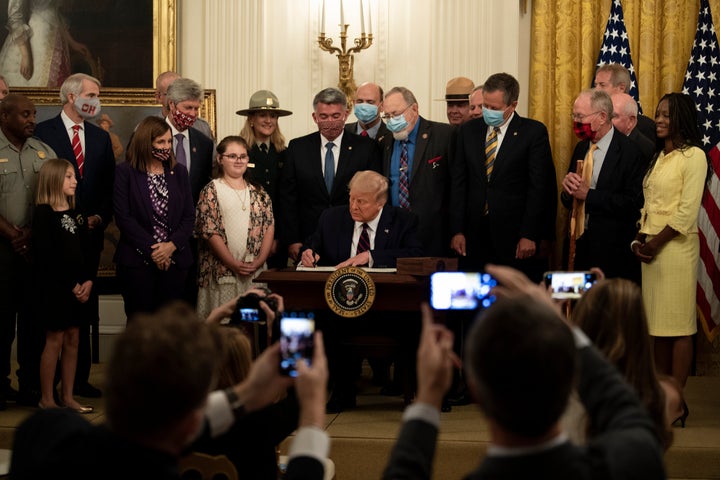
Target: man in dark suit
point(415, 159)
point(318, 168)
point(625, 120)
point(503, 199)
point(193, 149)
point(608, 201)
point(89, 148)
point(615, 78)
point(368, 108)
point(524, 413)
point(369, 233)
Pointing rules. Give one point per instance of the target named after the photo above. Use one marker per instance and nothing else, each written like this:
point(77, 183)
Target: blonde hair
point(276, 138)
point(237, 357)
point(50, 183)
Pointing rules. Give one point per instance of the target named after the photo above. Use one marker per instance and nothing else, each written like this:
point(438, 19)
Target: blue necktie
point(329, 166)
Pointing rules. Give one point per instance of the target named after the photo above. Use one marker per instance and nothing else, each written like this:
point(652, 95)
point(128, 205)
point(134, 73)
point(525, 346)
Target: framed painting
point(123, 44)
point(122, 110)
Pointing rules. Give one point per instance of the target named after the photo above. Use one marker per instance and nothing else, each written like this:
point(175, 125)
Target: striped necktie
point(491, 151)
point(364, 241)
point(77, 149)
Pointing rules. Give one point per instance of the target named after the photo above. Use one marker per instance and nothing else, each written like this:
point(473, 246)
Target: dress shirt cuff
point(371, 262)
point(423, 412)
point(310, 442)
point(219, 413)
point(581, 340)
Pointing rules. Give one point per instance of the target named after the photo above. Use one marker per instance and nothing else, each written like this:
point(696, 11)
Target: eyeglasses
point(388, 116)
point(579, 118)
point(233, 156)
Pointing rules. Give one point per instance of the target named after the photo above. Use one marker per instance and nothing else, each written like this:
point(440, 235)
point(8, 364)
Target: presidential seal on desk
point(349, 292)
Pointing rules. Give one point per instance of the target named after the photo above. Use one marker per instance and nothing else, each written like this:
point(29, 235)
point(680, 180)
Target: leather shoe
point(86, 390)
point(460, 399)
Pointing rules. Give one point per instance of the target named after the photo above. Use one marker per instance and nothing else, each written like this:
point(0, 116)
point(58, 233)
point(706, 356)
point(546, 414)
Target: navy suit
point(93, 196)
point(379, 137)
point(396, 237)
point(613, 208)
point(143, 285)
point(201, 162)
point(521, 194)
point(428, 185)
point(302, 195)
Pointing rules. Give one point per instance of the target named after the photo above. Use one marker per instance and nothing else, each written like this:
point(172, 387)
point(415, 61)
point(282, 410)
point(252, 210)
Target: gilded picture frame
point(122, 46)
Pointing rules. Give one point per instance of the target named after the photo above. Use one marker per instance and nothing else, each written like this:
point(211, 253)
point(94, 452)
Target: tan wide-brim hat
point(264, 101)
point(458, 89)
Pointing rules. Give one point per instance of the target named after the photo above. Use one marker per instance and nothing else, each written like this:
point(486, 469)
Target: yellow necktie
point(491, 151)
point(578, 217)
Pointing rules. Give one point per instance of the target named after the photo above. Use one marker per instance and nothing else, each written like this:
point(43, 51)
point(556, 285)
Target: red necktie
point(364, 133)
point(77, 149)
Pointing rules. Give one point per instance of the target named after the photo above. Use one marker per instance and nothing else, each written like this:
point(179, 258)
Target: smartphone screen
point(249, 314)
point(569, 285)
point(296, 340)
point(461, 290)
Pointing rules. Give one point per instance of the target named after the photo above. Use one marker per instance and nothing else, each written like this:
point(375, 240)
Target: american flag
point(702, 83)
point(616, 47)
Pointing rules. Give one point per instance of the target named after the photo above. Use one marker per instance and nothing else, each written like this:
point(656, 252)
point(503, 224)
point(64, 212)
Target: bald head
point(17, 118)
point(626, 112)
point(162, 83)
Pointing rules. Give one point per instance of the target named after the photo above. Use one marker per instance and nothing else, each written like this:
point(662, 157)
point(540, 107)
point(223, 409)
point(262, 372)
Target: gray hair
point(406, 94)
point(184, 89)
point(73, 84)
point(600, 101)
point(330, 96)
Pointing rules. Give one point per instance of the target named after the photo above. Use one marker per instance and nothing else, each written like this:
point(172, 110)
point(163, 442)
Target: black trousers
point(146, 288)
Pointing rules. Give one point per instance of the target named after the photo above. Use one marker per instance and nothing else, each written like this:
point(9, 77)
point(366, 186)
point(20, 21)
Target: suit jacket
point(134, 216)
point(93, 195)
point(613, 207)
point(646, 125)
point(396, 236)
point(428, 186)
point(646, 146)
point(201, 162)
point(381, 133)
point(302, 194)
point(521, 194)
point(625, 447)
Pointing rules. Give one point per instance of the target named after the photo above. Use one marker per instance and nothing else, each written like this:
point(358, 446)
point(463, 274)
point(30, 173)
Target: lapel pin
point(424, 136)
point(387, 230)
point(350, 147)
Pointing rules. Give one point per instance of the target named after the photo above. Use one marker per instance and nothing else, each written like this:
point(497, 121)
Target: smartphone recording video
point(569, 285)
point(461, 290)
point(296, 340)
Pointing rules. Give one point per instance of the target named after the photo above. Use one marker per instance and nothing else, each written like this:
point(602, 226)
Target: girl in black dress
point(61, 278)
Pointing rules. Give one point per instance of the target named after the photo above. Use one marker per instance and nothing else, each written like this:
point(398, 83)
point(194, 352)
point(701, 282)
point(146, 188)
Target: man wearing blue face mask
point(368, 108)
point(89, 148)
point(415, 159)
point(503, 196)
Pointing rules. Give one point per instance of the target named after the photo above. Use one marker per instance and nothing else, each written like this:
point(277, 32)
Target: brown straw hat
point(458, 89)
point(264, 100)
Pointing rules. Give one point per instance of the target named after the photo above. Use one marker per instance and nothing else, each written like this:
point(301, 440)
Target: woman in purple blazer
point(155, 214)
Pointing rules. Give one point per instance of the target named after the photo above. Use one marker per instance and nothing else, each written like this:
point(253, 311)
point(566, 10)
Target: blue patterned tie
point(403, 192)
point(329, 166)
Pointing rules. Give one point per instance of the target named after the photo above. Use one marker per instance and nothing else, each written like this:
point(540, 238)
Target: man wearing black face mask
point(608, 192)
point(89, 148)
point(318, 168)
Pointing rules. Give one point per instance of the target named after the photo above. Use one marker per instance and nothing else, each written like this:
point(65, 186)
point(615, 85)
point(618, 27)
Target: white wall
point(240, 46)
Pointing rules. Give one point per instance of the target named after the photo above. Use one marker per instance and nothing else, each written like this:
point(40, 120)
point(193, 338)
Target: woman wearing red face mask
point(155, 214)
point(667, 242)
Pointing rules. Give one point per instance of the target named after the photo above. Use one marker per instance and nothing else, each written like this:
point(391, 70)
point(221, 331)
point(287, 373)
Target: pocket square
point(435, 160)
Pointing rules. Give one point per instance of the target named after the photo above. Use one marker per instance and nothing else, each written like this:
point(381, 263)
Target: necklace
point(243, 198)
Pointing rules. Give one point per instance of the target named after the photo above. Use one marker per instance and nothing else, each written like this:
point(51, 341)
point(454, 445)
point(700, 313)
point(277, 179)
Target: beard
point(403, 135)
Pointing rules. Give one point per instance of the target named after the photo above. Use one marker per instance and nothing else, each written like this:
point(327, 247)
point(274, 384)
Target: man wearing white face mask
point(89, 148)
point(368, 108)
point(503, 196)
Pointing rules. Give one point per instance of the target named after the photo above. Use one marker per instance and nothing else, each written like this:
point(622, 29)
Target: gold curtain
point(565, 41)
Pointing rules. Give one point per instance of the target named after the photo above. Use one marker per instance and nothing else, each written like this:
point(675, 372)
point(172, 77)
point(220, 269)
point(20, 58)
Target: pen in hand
point(316, 257)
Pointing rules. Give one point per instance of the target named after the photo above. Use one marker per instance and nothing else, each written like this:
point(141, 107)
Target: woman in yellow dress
point(667, 242)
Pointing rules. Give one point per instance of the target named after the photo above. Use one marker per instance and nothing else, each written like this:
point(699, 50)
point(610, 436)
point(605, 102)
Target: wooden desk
point(306, 290)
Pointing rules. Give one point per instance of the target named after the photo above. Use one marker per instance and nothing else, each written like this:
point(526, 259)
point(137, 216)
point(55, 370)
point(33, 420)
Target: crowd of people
point(200, 219)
